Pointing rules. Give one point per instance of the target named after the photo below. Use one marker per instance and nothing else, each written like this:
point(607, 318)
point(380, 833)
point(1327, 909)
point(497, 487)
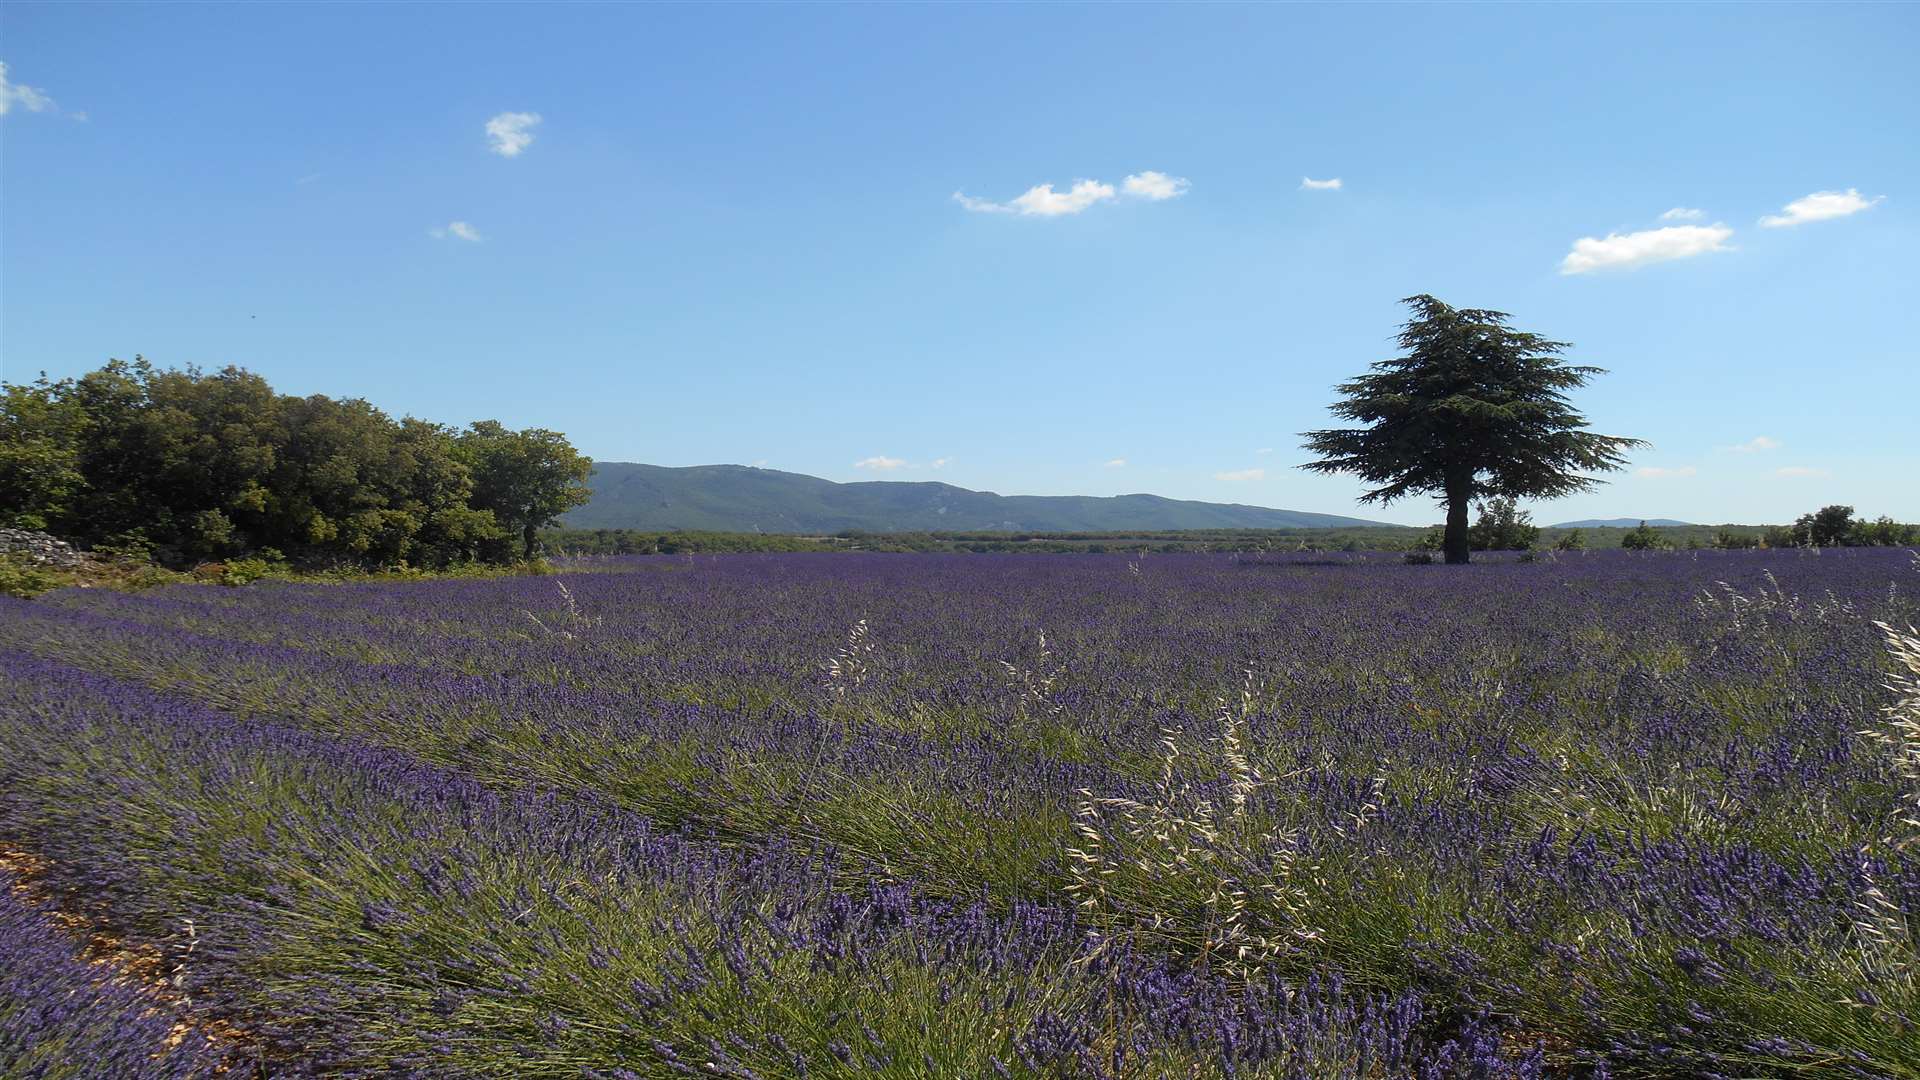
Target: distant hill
point(1616, 523)
point(736, 498)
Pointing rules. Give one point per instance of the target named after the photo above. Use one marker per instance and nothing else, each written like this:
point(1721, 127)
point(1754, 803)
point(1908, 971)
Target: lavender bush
point(1605, 814)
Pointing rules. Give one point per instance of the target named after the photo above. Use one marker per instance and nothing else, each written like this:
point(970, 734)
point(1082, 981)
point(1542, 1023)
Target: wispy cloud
point(1798, 472)
point(1115, 463)
point(1620, 251)
point(1265, 450)
point(1157, 186)
point(1308, 183)
point(511, 132)
point(1683, 213)
point(1756, 445)
point(459, 230)
point(1820, 206)
point(1241, 474)
point(1042, 201)
point(1663, 472)
point(942, 462)
point(32, 99)
point(981, 206)
point(880, 463)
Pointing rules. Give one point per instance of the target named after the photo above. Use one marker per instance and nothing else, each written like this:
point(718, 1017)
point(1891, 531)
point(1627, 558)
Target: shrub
point(23, 577)
point(1503, 526)
point(244, 571)
point(1642, 538)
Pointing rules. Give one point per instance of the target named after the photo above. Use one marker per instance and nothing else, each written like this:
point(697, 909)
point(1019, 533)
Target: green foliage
point(244, 571)
point(1503, 526)
point(1643, 538)
point(24, 577)
point(1573, 541)
point(1835, 526)
point(1829, 526)
point(1883, 531)
point(1473, 409)
point(184, 466)
point(527, 479)
point(40, 435)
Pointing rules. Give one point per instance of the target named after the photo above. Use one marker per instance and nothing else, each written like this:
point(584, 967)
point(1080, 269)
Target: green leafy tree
point(1474, 409)
point(527, 479)
point(1642, 538)
point(1829, 526)
point(1503, 526)
point(1573, 541)
point(41, 428)
point(186, 465)
point(1883, 531)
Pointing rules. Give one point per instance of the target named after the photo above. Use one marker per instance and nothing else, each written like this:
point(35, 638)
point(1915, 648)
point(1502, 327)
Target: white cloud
point(27, 97)
point(1241, 474)
point(880, 462)
point(1116, 463)
point(1820, 206)
point(1157, 186)
point(1621, 251)
point(979, 205)
point(511, 132)
point(1683, 213)
point(1755, 445)
point(942, 462)
point(1309, 184)
point(1264, 450)
point(459, 230)
point(1796, 472)
point(1042, 201)
point(1661, 472)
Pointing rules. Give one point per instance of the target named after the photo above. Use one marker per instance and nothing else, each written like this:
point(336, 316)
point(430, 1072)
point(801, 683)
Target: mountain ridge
point(1618, 523)
point(745, 498)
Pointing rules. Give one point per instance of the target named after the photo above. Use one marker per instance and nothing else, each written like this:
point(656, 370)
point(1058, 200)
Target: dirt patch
point(159, 971)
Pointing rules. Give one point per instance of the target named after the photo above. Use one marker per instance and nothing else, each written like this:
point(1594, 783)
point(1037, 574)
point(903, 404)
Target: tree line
point(187, 466)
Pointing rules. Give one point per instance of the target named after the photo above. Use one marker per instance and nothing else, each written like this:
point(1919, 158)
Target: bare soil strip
point(121, 962)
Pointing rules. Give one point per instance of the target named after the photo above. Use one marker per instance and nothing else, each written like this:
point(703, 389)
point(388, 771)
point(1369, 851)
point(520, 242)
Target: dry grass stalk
point(847, 669)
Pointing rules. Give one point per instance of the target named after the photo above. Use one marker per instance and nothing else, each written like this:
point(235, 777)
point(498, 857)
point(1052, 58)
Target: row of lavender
point(354, 912)
point(1622, 801)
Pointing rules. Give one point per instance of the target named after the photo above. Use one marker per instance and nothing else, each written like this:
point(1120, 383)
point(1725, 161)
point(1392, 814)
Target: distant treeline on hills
point(1378, 538)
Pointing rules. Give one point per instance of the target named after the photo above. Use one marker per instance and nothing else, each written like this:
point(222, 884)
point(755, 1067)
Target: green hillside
point(737, 498)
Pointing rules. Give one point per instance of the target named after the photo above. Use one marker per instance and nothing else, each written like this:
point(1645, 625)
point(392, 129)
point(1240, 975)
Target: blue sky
point(813, 236)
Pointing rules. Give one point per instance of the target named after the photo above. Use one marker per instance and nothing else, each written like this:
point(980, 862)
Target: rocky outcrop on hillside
point(41, 548)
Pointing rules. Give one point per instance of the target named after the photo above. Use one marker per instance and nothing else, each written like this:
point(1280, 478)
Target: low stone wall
point(38, 547)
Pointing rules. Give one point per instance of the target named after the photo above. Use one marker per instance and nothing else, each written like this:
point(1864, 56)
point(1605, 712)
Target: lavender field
point(970, 816)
